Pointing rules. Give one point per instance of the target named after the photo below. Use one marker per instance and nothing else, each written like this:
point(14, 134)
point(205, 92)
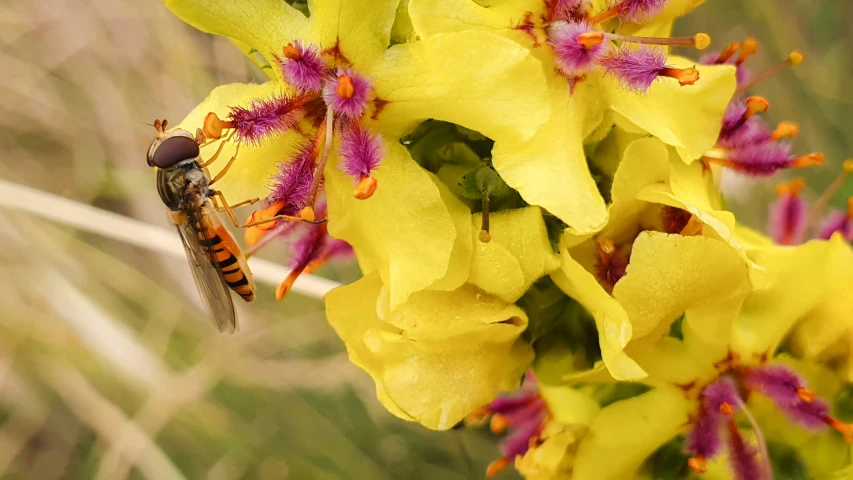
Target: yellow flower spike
point(518, 254)
point(264, 25)
point(250, 174)
point(408, 242)
point(436, 358)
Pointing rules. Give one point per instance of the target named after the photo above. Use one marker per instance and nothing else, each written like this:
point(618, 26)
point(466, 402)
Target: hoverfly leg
point(229, 209)
point(214, 157)
point(226, 167)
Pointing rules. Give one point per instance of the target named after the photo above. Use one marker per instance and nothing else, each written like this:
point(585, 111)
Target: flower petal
point(436, 358)
point(431, 17)
point(362, 28)
point(550, 169)
point(518, 254)
point(614, 328)
point(686, 117)
point(627, 432)
point(459, 267)
point(265, 25)
point(807, 285)
point(404, 230)
point(496, 87)
point(249, 176)
point(670, 273)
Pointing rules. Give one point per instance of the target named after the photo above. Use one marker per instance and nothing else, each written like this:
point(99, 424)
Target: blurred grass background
point(108, 369)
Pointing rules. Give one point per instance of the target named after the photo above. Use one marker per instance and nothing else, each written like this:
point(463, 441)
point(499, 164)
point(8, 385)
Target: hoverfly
point(215, 258)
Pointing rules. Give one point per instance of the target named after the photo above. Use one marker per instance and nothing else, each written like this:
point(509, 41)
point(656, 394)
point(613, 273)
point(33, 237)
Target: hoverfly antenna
point(160, 126)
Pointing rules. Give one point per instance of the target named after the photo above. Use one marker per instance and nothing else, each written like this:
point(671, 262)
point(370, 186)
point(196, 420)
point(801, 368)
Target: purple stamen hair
point(571, 56)
point(265, 118)
point(636, 69)
point(303, 67)
point(361, 151)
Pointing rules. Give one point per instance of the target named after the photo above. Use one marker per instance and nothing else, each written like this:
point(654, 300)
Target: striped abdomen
point(223, 251)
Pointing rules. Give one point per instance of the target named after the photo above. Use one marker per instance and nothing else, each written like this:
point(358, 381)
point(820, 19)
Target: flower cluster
point(530, 190)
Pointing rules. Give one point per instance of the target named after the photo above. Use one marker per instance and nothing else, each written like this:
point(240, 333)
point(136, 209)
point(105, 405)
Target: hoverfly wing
point(208, 277)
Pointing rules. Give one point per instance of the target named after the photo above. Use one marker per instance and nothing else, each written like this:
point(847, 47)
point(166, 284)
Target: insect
point(215, 258)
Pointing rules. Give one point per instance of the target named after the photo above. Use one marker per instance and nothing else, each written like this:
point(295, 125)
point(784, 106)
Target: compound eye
point(173, 150)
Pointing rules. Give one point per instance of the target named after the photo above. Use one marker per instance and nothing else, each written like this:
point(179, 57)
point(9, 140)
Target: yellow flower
point(820, 301)
point(407, 230)
point(550, 170)
point(437, 357)
point(665, 250)
point(727, 349)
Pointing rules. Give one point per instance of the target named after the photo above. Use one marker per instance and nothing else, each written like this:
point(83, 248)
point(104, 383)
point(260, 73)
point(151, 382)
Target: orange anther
point(591, 39)
point(287, 284)
point(498, 424)
point(697, 464)
point(292, 52)
point(806, 394)
point(850, 208)
point(726, 408)
point(365, 187)
point(213, 126)
point(728, 52)
point(497, 466)
point(845, 428)
point(747, 48)
point(685, 76)
point(701, 41)
point(793, 188)
point(812, 159)
point(785, 130)
point(755, 105)
point(345, 88)
point(795, 57)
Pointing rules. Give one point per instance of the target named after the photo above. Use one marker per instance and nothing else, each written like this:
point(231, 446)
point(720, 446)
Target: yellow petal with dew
point(436, 358)
point(265, 25)
point(670, 273)
point(475, 79)
point(611, 321)
point(518, 254)
point(686, 117)
point(459, 266)
point(404, 230)
point(250, 175)
point(360, 28)
point(624, 434)
point(550, 169)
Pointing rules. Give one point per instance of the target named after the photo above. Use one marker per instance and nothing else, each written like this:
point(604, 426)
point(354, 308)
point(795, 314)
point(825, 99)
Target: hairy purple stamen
point(265, 118)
